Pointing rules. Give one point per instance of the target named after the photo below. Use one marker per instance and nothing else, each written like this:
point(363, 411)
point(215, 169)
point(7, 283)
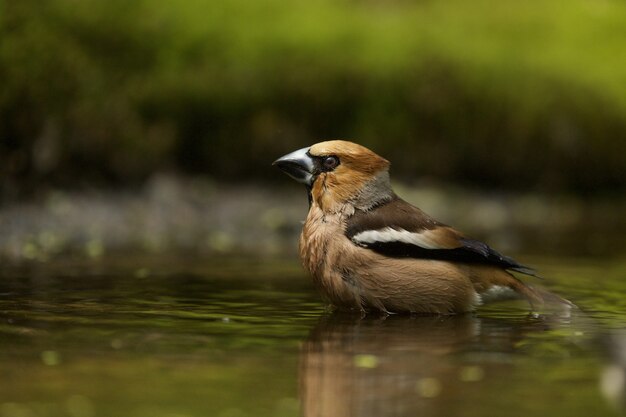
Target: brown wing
point(399, 229)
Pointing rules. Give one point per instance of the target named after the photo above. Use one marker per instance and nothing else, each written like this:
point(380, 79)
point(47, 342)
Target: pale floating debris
point(613, 383)
point(221, 241)
point(94, 248)
point(428, 387)
point(50, 357)
point(366, 361)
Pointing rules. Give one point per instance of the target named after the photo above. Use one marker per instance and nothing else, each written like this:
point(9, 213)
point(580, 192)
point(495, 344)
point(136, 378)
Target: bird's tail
point(537, 296)
point(497, 284)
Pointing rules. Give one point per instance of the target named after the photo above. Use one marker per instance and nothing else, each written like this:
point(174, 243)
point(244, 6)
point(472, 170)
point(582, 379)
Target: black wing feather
point(477, 253)
point(400, 215)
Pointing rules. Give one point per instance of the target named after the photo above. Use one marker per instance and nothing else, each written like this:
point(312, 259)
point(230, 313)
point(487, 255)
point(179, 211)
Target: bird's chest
point(325, 250)
point(319, 235)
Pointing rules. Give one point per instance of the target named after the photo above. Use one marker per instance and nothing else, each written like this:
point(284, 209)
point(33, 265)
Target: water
point(232, 338)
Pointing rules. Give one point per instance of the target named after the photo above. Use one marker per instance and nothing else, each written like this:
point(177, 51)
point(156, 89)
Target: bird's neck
point(374, 192)
point(332, 197)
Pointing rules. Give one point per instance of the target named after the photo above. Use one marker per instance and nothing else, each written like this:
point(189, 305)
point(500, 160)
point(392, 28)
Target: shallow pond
point(232, 337)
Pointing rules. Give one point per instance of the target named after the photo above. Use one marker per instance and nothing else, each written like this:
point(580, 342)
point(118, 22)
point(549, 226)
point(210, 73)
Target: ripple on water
point(246, 339)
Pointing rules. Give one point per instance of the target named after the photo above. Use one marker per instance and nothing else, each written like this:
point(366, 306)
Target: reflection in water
point(403, 365)
point(213, 341)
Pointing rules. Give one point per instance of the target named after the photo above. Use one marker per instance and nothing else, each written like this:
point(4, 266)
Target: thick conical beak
point(298, 165)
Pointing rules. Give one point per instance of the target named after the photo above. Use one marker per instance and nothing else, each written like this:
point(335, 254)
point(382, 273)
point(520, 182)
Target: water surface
point(233, 337)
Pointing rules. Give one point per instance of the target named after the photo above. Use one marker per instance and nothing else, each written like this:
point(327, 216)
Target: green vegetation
point(529, 94)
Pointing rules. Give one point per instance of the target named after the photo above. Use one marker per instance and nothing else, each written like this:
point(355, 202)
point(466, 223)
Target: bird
point(370, 251)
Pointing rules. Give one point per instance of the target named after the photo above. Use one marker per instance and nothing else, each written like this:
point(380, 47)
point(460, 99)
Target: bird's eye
point(329, 163)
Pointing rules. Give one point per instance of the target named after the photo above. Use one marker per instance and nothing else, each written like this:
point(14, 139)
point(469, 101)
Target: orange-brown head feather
point(357, 168)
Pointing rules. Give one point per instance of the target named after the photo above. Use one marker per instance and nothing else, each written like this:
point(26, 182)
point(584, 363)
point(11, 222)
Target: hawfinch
point(369, 250)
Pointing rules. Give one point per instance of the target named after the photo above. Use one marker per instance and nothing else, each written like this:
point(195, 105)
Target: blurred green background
point(173, 107)
point(522, 95)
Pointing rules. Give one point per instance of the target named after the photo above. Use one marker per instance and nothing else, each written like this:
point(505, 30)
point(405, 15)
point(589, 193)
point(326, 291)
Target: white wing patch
point(498, 293)
point(425, 239)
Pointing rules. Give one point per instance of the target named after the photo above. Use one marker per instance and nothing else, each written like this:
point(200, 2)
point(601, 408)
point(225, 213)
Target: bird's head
point(338, 172)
